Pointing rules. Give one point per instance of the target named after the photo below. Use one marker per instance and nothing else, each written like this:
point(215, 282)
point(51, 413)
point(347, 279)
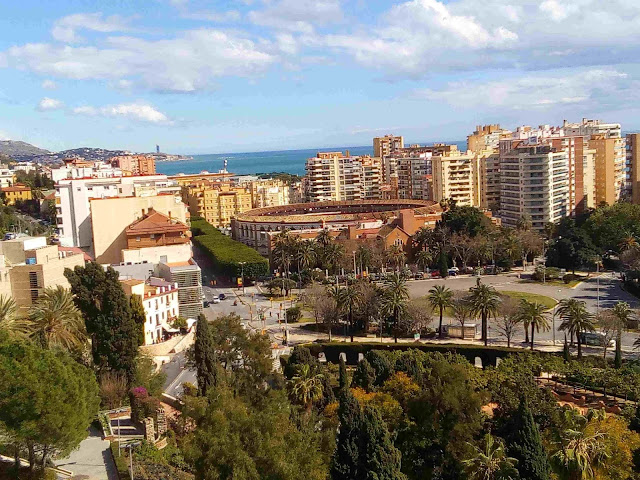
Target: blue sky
point(243, 75)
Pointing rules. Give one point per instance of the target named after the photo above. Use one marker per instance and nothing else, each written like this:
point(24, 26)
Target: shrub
point(227, 254)
point(294, 314)
point(569, 277)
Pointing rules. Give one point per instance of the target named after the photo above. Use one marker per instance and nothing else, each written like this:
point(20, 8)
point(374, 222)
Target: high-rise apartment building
point(534, 182)
point(334, 176)
point(488, 162)
point(610, 163)
point(455, 177)
point(268, 192)
point(486, 137)
point(632, 167)
point(383, 146)
point(135, 164)
point(587, 128)
point(216, 202)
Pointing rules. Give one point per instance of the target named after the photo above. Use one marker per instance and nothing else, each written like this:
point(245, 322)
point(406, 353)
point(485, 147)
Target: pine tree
point(205, 357)
point(443, 264)
point(138, 315)
point(379, 459)
point(343, 377)
point(364, 376)
point(380, 364)
point(346, 457)
point(526, 445)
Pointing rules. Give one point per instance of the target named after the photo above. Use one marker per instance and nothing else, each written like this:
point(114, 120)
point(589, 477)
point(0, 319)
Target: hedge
point(120, 462)
point(488, 355)
point(227, 254)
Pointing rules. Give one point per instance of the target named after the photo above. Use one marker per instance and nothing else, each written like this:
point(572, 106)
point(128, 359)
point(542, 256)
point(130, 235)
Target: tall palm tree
point(485, 302)
point(533, 314)
point(396, 256)
point(440, 297)
point(305, 255)
point(579, 453)
point(283, 252)
point(56, 321)
point(628, 242)
point(394, 300)
point(349, 300)
point(363, 257)
point(622, 312)
point(575, 319)
point(10, 321)
point(324, 237)
point(490, 462)
point(333, 254)
point(423, 259)
point(306, 386)
point(424, 239)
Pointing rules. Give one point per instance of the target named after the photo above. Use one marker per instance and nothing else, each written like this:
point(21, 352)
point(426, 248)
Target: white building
point(587, 128)
point(6, 178)
point(73, 201)
point(82, 170)
point(160, 302)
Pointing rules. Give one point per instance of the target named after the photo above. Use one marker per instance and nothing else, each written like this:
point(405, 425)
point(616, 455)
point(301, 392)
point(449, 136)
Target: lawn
point(532, 297)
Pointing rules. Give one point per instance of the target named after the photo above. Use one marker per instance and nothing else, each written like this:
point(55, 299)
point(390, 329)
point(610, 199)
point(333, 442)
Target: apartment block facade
point(216, 202)
point(383, 146)
point(632, 168)
point(456, 178)
point(135, 164)
point(610, 165)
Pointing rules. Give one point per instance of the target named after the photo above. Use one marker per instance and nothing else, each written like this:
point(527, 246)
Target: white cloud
point(297, 15)
point(218, 17)
point(49, 85)
point(4, 136)
point(186, 63)
point(49, 104)
point(141, 112)
point(583, 88)
point(65, 29)
point(558, 11)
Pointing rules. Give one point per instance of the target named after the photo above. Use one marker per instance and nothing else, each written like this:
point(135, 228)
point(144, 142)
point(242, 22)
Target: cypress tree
point(343, 377)
point(526, 446)
point(364, 376)
point(566, 353)
point(139, 316)
point(379, 459)
point(205, 357)
point(381, 365)
point(346, 457)
point(443, 264)
point(617, 362)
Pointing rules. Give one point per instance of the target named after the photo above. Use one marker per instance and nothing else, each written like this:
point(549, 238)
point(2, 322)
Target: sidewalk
point(91, 460)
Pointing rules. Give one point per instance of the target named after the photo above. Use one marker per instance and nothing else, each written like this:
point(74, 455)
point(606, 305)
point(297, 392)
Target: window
point(137, 239)
point(152, 236)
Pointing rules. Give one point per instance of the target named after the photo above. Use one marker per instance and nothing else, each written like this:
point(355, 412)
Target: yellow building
point(16, 192)
point(110, 218)
point(217, 203)
point(455, 177)
point(383, 146)
point(633, 167)
point(610, 159)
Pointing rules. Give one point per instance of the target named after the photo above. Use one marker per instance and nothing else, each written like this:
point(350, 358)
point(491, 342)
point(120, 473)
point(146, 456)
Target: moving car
point(215, 300)
point(222, 296)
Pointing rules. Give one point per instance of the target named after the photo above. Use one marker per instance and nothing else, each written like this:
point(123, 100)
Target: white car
point(215, 300)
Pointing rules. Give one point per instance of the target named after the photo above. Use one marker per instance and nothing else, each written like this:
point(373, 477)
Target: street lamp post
point(355, 271)
point(598, 288)
point(242, 264)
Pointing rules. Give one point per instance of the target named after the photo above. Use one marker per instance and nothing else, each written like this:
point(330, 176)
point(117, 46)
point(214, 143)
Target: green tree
point(205, 357)
point(379, 459)
point(364, 376)
point(440, 298)
point(343, 378)
point(423, 259)
point(526, 445)
point(47, 400)
point(348, 299)
point(579, 454)
point(346, 458)
point(138, 315)
point(490, 462)
point(485, 301)
point(623, 314)
point(534, 315)
point(10, 322)
point(394, 300)
point(306, 386)
point(575, 319)
point(107, 315)
point(443, 264)
point(55, 321)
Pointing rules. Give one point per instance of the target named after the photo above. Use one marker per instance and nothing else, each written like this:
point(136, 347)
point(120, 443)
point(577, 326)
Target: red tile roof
point(155, 222)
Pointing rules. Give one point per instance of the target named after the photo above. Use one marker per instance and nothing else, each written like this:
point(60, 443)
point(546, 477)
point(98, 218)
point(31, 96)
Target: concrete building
point(7, 178)
point(334, 176)
point(383, 146)
point(16, 192)
point(268, 192)
point(73, 201)
point(188, 276)
point(456, 178)
point(112, 217)
point(610, 164)
point(135, 164)
point(160, 301)
point(488, 162)
point(76, 169)
point(632, 168)
point(29, 266)
point(534, 183)
point(486, 137)
point(587, 128)
point(216, 202)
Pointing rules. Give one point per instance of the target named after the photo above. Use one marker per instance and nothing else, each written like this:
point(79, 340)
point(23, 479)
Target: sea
point(288, 161)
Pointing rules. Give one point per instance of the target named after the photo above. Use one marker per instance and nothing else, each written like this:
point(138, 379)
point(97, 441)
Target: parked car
point(435, 273)
point(206, 304)
point(419, 276)
point(215, 300)
point(454, 269)
point(452, 272)
point(596, 339)
point(222, 296)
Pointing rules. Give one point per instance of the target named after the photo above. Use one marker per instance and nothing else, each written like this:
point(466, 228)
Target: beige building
point(489, 179)
point(633, 167)
point(135, 164)
point(383, 146)
point(269, 192)
point(455, 177)
point(216, 202)
point(610, 162)
point(110, 218)
point(486, 137)
point(29, 266)
point(334, 176)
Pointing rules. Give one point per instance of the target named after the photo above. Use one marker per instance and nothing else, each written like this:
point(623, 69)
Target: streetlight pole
point(355, 270)
point(598, 282)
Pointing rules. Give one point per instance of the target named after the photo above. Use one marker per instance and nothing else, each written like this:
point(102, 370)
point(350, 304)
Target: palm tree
point(306, 386)
point(440, 297)
point(10, 321)
point(423, 259)
point(533, 314)
point(396, 256)
point(629, 242)
point(332, 255)
point(394, 301)
point(305, 255)
point(363, 257)
point(324, 237)
point(348, 300)
point(282, 253)
point(575, 319)
point(580, 452)
point(485, 302)
point(490, 462)
point(622, 312)
point(56, 321)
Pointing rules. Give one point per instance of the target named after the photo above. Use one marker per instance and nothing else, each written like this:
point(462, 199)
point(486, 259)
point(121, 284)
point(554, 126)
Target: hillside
point(19, 149)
